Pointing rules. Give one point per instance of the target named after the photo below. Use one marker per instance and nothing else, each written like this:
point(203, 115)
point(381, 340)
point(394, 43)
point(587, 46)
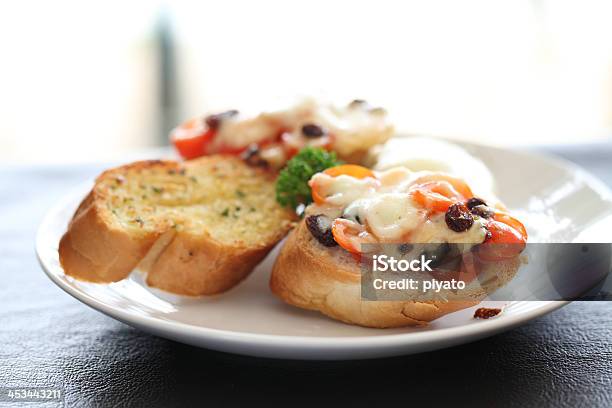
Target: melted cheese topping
point(385, 206)
point(354, 127)
point(435, 231)
point(241, 133)
point(343, 190)
point(391, 215)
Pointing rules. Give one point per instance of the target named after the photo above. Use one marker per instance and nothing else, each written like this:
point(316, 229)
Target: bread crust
point(310, 276)
point(91, 250)
point(95, 249)
point(199, 265)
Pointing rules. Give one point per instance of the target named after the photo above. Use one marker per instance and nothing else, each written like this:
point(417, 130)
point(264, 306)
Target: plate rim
point(395, 339)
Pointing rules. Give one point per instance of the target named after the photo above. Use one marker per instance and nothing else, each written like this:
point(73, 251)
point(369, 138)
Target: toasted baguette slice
point(196, 228)
point(311, 276)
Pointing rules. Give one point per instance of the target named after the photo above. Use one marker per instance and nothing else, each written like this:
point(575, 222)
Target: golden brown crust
point(97, 248)
point(198, 265)
point(311, 276)
point(92, 251)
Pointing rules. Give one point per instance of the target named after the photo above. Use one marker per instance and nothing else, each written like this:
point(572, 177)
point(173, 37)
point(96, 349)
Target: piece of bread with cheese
point(312, 276)
point(196, 228)
point(358, 213)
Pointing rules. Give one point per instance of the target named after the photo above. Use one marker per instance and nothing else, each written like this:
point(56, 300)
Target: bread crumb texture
point(221, 197)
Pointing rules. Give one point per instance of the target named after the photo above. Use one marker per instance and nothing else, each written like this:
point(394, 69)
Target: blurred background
point(83, 81)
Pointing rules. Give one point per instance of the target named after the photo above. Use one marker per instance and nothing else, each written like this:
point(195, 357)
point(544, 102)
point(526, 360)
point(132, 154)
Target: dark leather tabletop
point(49, 339)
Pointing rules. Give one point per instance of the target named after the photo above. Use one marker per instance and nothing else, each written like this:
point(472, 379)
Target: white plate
point(250, 320)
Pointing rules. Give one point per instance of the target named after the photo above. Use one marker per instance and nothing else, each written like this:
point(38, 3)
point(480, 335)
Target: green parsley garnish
point(292, 184)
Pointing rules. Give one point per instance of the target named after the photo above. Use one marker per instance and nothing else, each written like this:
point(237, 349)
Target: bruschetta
point(271, 138)
point(318, 266)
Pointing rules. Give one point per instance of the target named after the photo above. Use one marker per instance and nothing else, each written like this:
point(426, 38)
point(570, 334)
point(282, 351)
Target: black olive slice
point(312, 131)
point(474, 202)
point(214, 121)
point(320, 227)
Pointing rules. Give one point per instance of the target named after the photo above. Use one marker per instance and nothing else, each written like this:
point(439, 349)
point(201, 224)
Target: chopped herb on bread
point(196, 228)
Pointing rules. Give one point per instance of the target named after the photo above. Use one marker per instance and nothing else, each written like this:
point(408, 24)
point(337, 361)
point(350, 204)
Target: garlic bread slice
point(196, 228)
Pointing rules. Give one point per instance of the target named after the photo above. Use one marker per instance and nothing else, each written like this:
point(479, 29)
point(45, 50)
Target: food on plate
point(196, 228)
point(200, 226)
point(486, 312)
point(427, 154)
point(271, 138)
point(292, 189)
point(318, 266)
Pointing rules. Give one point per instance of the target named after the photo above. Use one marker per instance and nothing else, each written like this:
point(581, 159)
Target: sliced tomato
point(457, 184)
point(191, 138)
point(346, 235)
point(436, 196)
point(431, 200)
point(352, 170)
point(350, 235)
point(512, 222)
point(503, 242)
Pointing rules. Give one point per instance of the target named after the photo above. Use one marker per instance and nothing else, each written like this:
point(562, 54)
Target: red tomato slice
point(457, 184)
point(504, 242)
point(436, 196)
point(349, 235)
point(191, 138)
point(430, 200)
point(512, 222)
point(345, 235)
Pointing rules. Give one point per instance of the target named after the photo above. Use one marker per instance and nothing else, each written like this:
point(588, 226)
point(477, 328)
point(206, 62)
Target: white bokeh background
point(80, 80)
